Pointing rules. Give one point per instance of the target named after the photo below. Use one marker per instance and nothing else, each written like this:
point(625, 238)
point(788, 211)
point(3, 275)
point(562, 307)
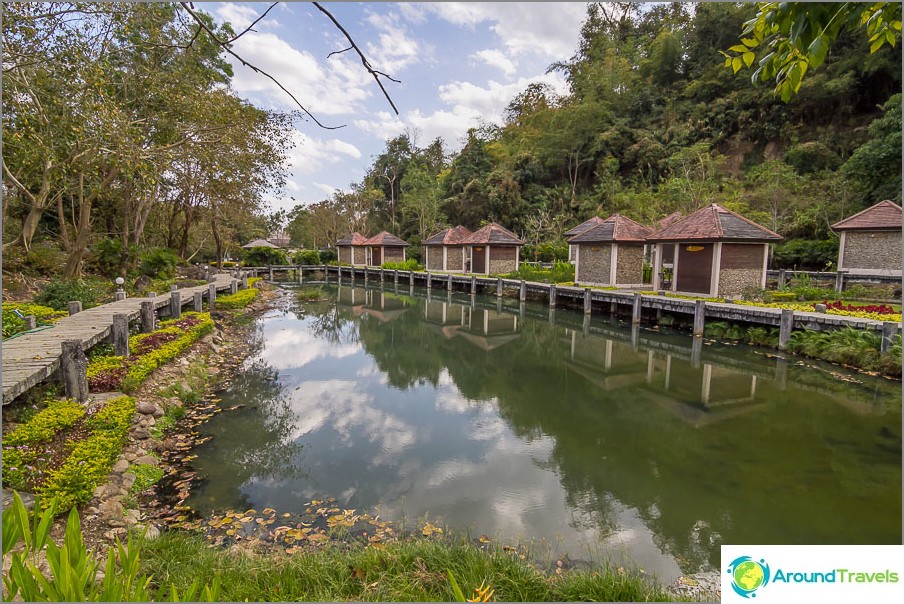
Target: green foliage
point(140, 368)
point(310, 294)
point(813, 156)
point(146, 475)
point(44, 315)
point(265, 256)
point(58, 294)
point(806, 255)
point(560, 272)
point(160, 262)
point(171, 415)
point(847, 346)
point(44, 259)
point(240, 299)
point(876, 165)
point(327, 256)
point(307, 257)
point(409, 265)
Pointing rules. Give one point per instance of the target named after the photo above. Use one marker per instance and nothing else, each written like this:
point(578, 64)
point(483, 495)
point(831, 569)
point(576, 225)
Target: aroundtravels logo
point(748, 575)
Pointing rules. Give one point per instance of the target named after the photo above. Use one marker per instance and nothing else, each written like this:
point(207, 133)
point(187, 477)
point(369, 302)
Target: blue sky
point(458, 62)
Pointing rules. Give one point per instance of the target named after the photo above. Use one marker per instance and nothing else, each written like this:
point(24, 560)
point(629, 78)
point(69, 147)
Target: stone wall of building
point(629, 265)
point(345, 254)
point(736, 281)
point(593, 263)
point(503, 259)
point(453, 258)
point(360, 258)
point(872, 250)
point(434, 257)
point(500, 267)
point(393, 254)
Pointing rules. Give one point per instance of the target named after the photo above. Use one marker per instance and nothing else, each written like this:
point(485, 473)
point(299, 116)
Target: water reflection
point(517, 421)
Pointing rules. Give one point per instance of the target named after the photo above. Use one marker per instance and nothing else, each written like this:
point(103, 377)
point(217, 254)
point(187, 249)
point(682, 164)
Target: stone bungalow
point(445, 250)
point(352, 250)
point(611, 252)
point(491, 250)
point(385, 247)
point(715, 252)
point(592, 222)
point(871, 241)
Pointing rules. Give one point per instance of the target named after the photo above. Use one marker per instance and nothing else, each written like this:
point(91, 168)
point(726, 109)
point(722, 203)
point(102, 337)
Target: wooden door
point(377, 256)
point(695, 266)
point(479, 259)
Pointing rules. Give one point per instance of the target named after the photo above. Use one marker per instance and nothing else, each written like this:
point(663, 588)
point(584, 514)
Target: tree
point(421, 200)
point(876, 165)
point(791, 37)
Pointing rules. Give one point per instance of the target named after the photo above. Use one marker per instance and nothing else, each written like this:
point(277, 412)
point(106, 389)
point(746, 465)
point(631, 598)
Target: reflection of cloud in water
point(290, 348)
point(341, 406)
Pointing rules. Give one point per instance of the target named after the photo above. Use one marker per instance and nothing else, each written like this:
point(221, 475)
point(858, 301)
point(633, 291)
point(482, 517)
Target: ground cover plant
point(13, 324)
point(148, 351)
point(240, 299)
point(89, 291)
point(560, 272)
point(877, 312)
point(408, 265)
point(65, 451)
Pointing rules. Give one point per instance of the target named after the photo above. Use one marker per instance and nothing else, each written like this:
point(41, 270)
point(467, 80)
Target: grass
point(560, 272)
point(402, 571)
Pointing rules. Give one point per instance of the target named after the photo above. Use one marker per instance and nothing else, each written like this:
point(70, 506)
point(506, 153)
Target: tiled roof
point(385, 238)
point(884, 215)
point(613, 229)
point(668, 220)
point(583, 226)
point(258, 243)
point(714, 223)
point(353, 239)
point(492, 234)
point(451, 236)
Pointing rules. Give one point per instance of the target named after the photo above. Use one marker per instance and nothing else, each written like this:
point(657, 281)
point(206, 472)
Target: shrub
point(812, 156)
point(327, 256)
point(160, 262)
point(408, 265)
point(45, 259)
point(560, 272)
point(106, 257)
point(239, 299)
point(142, 366)
point(307, 257)
point(552, 251)
point(253, 280)
point(146, 475)
point(58, 294)
point(265, 256)
point(803, 254)
point(24, 447)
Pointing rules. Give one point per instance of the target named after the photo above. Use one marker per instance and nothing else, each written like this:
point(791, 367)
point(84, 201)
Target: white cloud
point(327, 189)
point(495, 58)
point(395, 49)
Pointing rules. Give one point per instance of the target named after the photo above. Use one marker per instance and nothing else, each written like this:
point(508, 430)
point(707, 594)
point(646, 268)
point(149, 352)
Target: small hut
point(385, 247)
point(871, 241)
point(258, 243)
point(611, 252)
point(716, 252)
point(492, 249)
point(352, 250)
point(572, 250)
point(444, 251)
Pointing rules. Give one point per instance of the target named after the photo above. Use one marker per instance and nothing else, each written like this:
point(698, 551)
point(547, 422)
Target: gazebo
point(444, 251)
point(352, 249)
point(592, 222)
point(385, 247)
point(492, 249)
point(716, 252)
point(611, 252)
point(871, 241)
point(259, 243)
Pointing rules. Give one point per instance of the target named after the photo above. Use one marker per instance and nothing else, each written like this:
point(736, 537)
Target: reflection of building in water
point(380, 305)
point(606, 363)
point(486, 329)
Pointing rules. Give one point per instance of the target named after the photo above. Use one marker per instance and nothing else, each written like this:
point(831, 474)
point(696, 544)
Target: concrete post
point(696, 352)
point(74, 370)
point(31, 322)
point(234, 286)
point(786, 326)
point(522, 291)
point(245, 281)
point(198, 300)
point(429, 280)
point(499, 286)
point(271, 273)
point(75, 307)
point(473, 284)
point(147, 316)
point(588, 305)
point(552, 295)
point(635, 336)
point(382, 274)
point(152, 294)
point(699, 317)
point(613, 309)
point(366, 274)
point(121, 335)
point(173, 287)
point(410, 278)
point(175, 305)
point(635, 311)
point(522, 306)
point(889, 329)
point(211, 295)
point(449, 283)
point(819, 308)
point(839, 282)
point(395, 277)
point(300, 276)
point(552, 315)
point(119, 295)
point(781, 279)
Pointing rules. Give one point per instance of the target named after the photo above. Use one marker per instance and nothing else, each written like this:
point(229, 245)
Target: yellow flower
point(484, 593)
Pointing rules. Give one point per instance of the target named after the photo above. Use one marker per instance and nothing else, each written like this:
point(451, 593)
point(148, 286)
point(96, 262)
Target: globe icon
point(748, 575)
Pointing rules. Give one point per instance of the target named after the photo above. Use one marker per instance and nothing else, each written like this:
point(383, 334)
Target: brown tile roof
point(714, 223)
point(613, 229)
point(353, 239)
point(884, 215)
point(583, 226)
point(492, 234)
point(451, 236)
point(387, 239)
point(664, 222)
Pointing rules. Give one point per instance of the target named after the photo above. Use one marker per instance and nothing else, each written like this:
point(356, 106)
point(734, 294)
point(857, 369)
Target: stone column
point(75, 307)
point(147, 316)
point(198, 301)
point(175, 305)
point(121, 335)
point(552, 295)
point(699, 317)
point(786, 326)
point(74, 370)
point(211, 295)
point(588, 303)
point(636, 309)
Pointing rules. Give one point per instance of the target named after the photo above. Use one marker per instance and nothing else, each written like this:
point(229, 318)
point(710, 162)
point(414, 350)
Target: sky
point(459, 63)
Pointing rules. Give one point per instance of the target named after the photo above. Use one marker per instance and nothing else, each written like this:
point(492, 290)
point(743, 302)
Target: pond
point(582, 436)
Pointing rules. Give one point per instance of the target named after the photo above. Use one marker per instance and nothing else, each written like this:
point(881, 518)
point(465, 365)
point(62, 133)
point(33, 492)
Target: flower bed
point(12, 324)
point(240, 299)
point(66, 451)
point(881, 312)
point(148, 352)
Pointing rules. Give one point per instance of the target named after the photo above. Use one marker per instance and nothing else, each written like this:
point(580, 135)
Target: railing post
point(429, 280)
point(696, 352)
point(175, 305)
point(552, 295)
point(699, 317)
point(449, 283)
point(395, 276)
point(74, 370)
point(786, 326)
point(499, 286)
point(781, 279)
point(211, 295)
point(198, 299)
point(173, 287)
point(839, 282)
point(588, 303)
point(271, 272)
point(120, 335)
point(119, 295)
point(522, 292)
point(635, 311)
point(147, 316)
point(31, 322)
point(234, 286)
point(889, 329)
point(245, 281)
point(473, 284)
point(75, 307)
point(410, 277)
point(819, 308)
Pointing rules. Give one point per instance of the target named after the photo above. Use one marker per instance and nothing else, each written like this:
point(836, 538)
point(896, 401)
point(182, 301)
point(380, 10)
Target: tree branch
point(247, 29)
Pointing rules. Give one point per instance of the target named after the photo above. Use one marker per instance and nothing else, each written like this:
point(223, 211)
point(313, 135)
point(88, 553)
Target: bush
point(804, 254)
point(240, 299)
point(45, 259)
point(409, 265)
point(307, 257)
point(552, 251)
point(44, 315)
point(58, 294)
point(327, 256)
point(561, 272)
point(106, 256)
point(812, 156)
point(265, 256)
point(160, 262)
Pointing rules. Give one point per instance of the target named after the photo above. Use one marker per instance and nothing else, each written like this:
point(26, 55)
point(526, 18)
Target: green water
point(580, 436)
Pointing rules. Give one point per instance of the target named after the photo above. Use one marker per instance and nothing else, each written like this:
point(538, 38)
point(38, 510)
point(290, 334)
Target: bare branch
point(247, 29)
point(376, 74)
point(339, 52)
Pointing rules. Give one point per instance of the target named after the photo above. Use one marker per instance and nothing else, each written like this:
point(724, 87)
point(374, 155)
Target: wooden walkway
point(33, 357)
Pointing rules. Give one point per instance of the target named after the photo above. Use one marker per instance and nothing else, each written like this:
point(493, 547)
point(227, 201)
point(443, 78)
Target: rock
point(100, 492)
point(152, 532)
point(110, 509)
point(151, 421)
point(142, 282)
point(128, 479)
point(131, 517)
point(158, 412)
point(141, 434)
point(130, 456)
point(148, 460)
point(115, 532)
point(183, 362)
point(120, 466)
point(146, 408)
